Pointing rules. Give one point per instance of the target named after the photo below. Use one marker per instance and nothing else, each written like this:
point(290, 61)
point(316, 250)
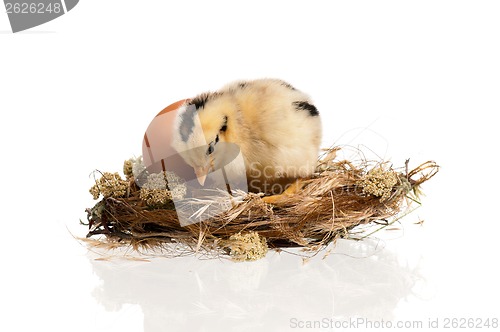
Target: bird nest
point(340, 196)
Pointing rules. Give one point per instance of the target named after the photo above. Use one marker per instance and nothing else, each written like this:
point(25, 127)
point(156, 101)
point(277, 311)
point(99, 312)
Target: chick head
point(200, 127)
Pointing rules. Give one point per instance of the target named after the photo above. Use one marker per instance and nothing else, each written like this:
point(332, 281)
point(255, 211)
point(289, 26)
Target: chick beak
point(201, 174)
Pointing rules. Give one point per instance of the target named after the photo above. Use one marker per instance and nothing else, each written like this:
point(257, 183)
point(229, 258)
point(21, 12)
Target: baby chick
point(276, 127)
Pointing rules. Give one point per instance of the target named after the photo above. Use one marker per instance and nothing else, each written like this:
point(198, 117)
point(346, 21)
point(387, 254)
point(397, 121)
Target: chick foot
point(290, 191)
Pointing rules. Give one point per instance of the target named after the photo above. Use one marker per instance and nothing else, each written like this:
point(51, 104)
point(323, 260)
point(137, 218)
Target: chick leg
point(294, 188)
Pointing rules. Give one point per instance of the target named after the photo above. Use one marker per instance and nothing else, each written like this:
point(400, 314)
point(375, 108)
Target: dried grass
point(342, 195)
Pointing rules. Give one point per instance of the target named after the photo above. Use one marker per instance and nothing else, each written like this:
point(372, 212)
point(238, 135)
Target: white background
point(417, 80)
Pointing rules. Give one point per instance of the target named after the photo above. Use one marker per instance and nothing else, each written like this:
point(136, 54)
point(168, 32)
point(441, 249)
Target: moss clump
point(133, 167)
point(162, 188)
point(127, 168)
point(110, 185)
point(247, 247)
point(379, 182)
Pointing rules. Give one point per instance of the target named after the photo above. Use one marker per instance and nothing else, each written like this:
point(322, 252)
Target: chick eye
point(211, 146)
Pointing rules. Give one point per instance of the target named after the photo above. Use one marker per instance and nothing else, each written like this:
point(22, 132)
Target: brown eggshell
point(158, 154)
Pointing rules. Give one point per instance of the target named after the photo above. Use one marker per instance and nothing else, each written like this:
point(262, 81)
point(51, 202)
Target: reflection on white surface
point(188, 294)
